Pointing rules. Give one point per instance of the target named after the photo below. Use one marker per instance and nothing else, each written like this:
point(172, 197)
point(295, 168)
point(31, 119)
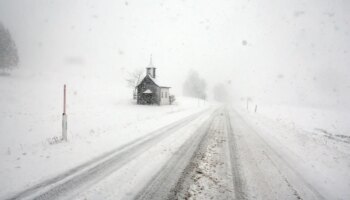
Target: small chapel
point(150, 90)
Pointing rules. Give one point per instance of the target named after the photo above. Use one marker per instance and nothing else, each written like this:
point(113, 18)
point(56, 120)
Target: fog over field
point(280, 52)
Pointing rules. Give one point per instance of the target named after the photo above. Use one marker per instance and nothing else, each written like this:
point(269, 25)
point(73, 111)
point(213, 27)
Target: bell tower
point(151, 70)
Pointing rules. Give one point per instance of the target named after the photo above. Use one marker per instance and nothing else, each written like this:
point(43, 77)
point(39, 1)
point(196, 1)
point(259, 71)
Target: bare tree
point(8, 50)
point(134, 79)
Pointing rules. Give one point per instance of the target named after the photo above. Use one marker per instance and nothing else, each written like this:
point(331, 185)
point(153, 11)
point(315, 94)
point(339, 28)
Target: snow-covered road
point(212, 154)
point(232, 161)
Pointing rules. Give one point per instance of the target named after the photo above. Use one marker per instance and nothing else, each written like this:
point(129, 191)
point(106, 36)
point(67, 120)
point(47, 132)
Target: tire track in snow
point(205, 164)
point(235, 166)
point(163, 185)
point(209, 174)
point(284, 168)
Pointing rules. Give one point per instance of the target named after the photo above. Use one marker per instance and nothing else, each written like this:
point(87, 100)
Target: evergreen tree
point(8, 50)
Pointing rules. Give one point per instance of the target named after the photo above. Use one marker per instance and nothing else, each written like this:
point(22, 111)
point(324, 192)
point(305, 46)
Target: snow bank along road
point(213, 154)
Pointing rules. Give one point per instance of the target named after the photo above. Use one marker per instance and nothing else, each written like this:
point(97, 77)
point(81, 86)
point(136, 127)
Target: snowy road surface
point(207, 155)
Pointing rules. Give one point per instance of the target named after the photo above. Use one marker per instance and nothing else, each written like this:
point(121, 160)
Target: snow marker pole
point(64, 116)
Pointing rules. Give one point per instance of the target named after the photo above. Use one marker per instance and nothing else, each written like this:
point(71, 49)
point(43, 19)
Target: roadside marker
point(64, 116)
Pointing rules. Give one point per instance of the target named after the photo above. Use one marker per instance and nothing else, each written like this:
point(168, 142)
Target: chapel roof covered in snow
point(158, 81)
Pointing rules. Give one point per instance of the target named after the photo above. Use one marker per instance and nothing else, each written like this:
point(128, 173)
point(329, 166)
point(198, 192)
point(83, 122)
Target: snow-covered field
point(326, 120)
point(313, 142)
point(101, 117)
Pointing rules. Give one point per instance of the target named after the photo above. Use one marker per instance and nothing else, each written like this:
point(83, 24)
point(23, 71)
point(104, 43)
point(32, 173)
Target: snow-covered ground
point(101, 117)
point(313, 142)
point(328, 120)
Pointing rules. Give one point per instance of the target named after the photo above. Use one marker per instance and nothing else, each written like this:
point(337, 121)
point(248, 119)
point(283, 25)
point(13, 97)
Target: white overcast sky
point(278, 51)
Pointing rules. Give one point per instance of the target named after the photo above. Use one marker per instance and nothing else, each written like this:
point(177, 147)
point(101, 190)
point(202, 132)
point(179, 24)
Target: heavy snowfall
point(255, 102)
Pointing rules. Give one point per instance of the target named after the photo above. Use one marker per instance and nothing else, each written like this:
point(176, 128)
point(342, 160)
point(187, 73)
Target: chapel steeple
point(151, 69)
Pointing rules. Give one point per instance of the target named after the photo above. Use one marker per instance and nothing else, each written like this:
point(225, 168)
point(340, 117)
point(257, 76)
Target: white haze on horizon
point(292, 52)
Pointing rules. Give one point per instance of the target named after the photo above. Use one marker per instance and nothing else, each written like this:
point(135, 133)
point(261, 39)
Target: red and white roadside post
point(64, 116)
